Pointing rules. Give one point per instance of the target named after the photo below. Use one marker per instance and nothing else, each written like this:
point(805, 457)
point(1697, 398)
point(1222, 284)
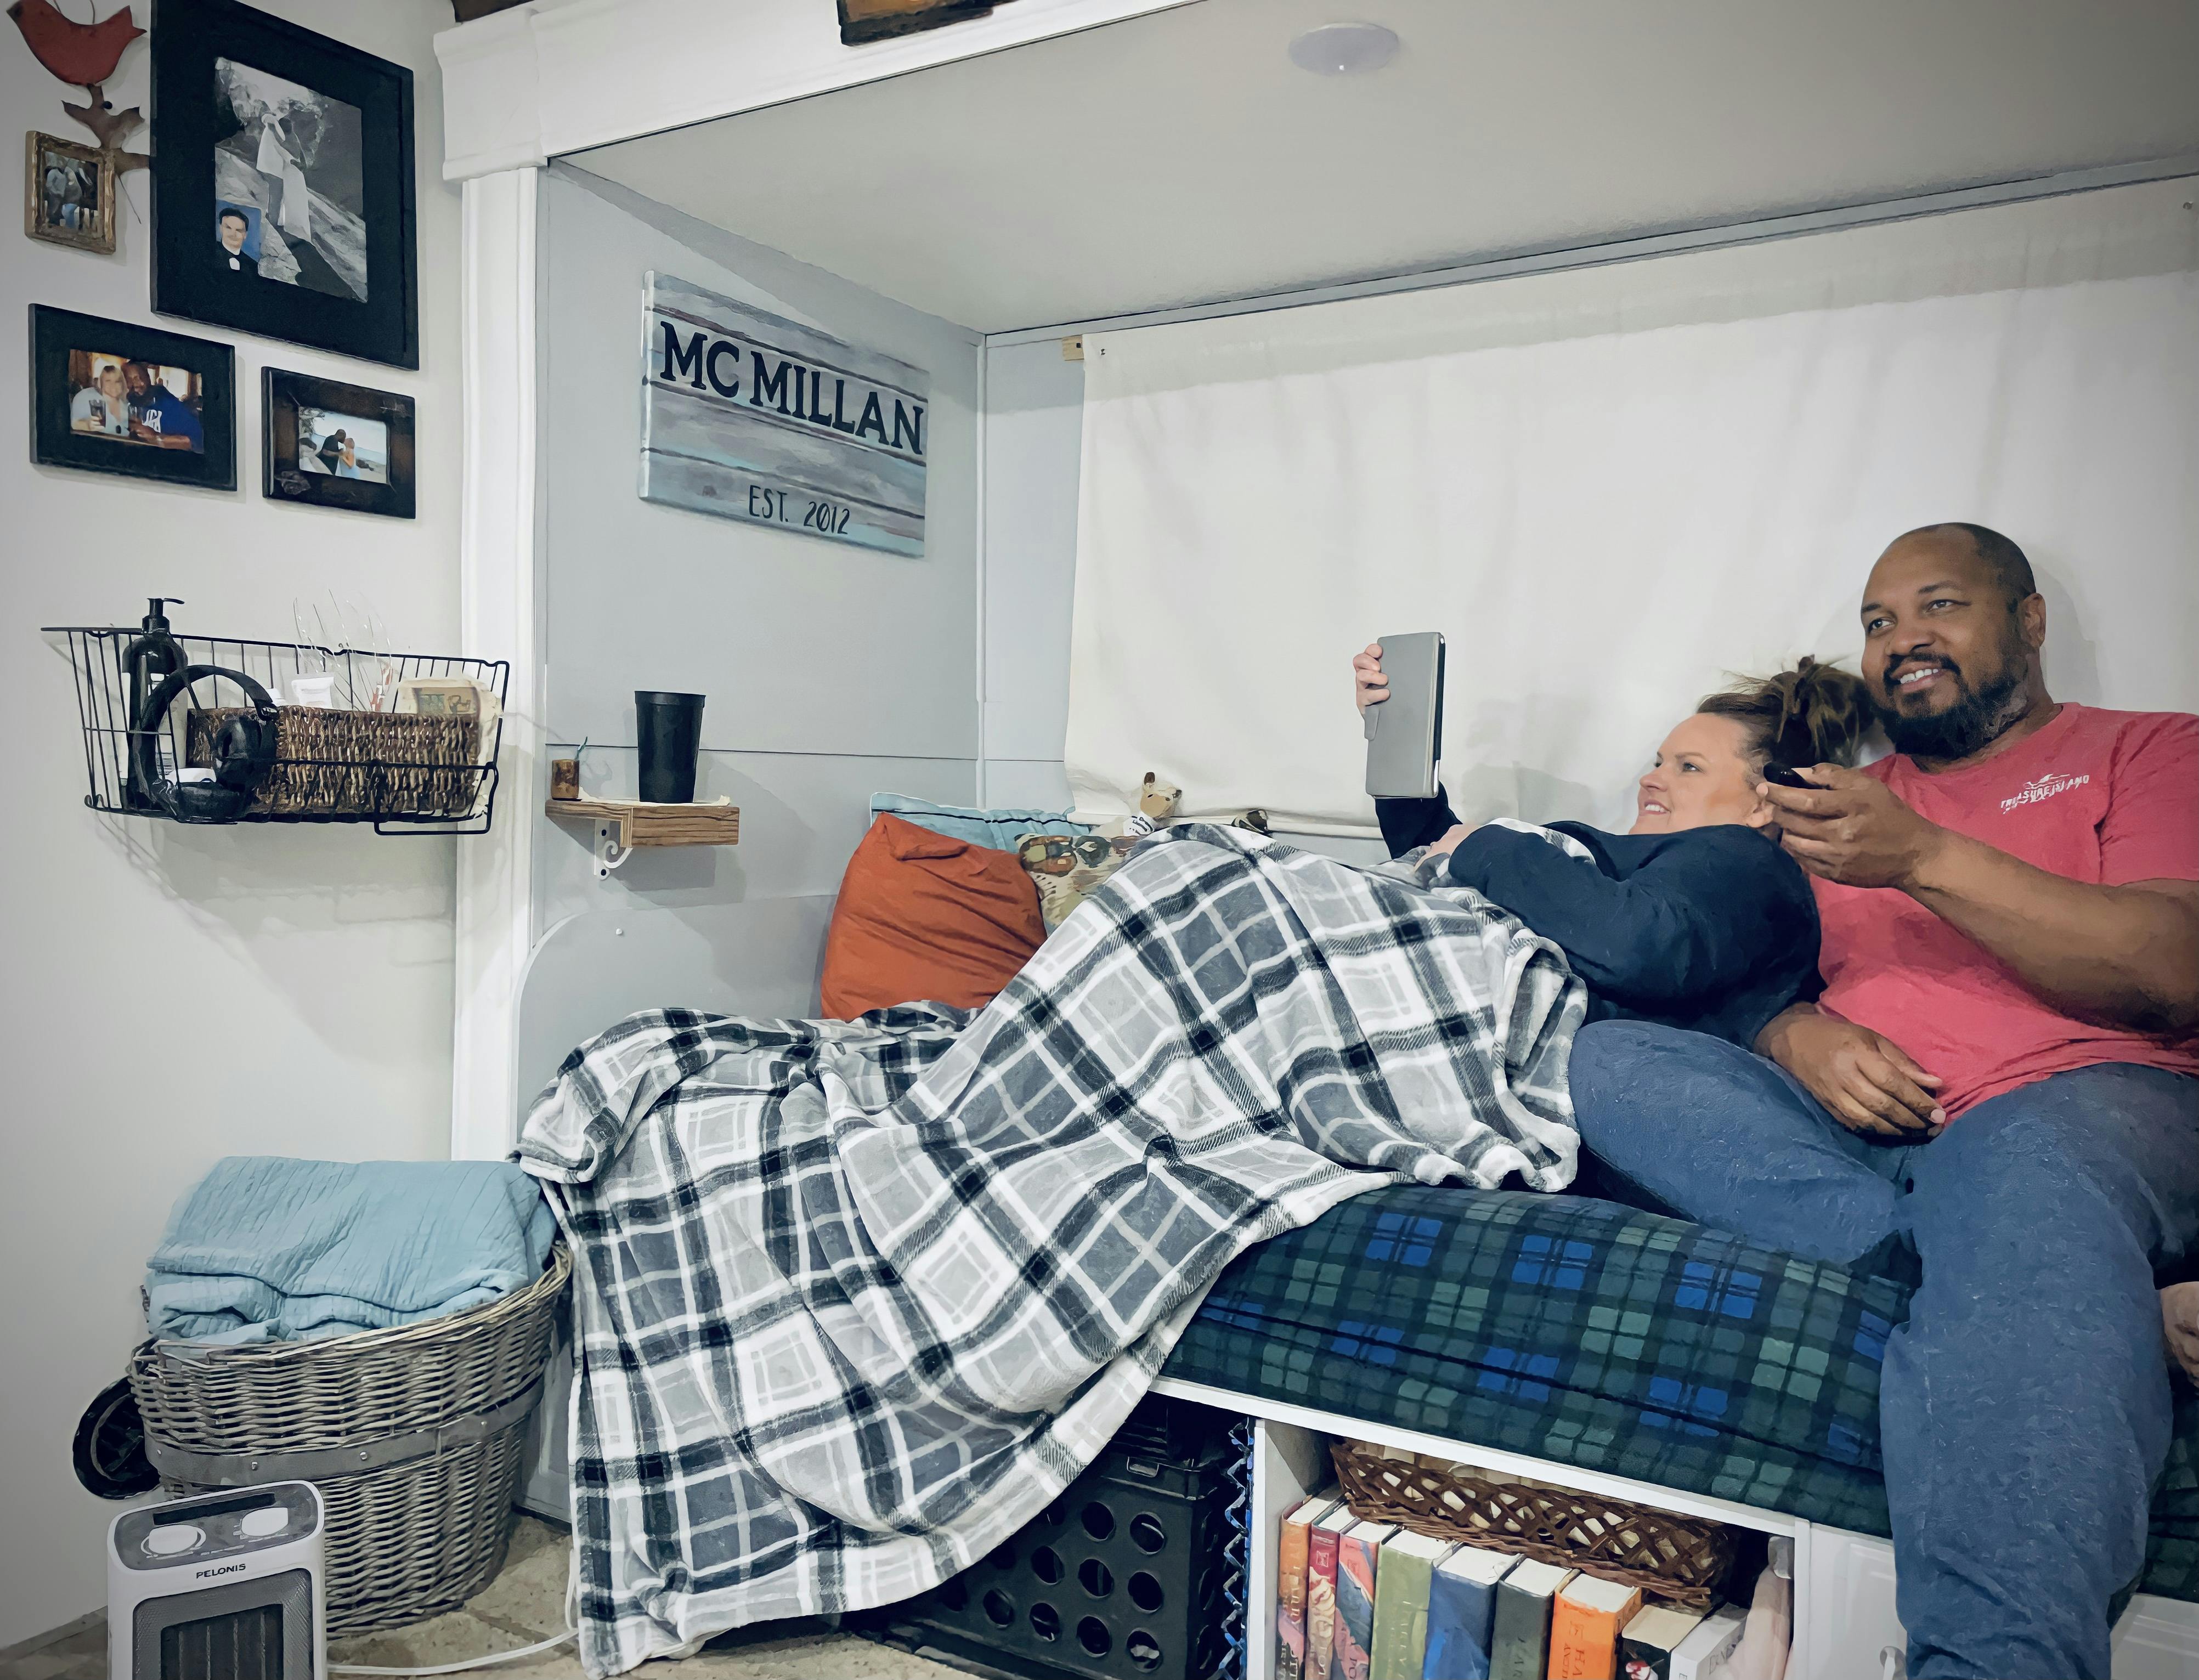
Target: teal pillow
point(999, 829)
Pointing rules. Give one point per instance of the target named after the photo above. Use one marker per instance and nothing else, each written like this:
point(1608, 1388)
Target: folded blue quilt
point(265, 1248)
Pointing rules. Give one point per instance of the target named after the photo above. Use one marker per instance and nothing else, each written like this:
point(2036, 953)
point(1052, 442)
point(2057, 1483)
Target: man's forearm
point(2127, 955)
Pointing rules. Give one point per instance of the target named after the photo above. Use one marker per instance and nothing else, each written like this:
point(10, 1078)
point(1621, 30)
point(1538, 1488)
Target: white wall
point(831, 671)
point(1686, 461)
point(173, 995)
point(1034, 444)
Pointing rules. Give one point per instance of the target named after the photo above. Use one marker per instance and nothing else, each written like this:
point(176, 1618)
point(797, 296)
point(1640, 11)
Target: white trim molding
point(1710, 235)
point(499, 616)
point(552, 77)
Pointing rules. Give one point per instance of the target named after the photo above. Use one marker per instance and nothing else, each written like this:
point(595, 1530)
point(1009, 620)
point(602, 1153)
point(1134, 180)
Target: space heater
point(220, 1586)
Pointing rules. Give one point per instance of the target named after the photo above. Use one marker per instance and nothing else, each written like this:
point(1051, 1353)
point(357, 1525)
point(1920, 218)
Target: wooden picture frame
point(114, 397)
point(863, 21)
point(58, 176)
point(327, 444)
point(283, 182)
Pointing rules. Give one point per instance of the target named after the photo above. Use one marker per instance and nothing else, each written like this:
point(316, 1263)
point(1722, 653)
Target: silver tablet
point(1404, 734)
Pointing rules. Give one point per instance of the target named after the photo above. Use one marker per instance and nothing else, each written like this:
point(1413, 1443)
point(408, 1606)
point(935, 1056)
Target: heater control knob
point(258, 1524)
point(167, 1542)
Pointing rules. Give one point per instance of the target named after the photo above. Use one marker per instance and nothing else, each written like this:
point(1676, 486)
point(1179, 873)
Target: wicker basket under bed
point(1683, 1558)
point(414, 1437)
point(341, 763)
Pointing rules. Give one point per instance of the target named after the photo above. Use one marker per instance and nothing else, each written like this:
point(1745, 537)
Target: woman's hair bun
point(1814, 713)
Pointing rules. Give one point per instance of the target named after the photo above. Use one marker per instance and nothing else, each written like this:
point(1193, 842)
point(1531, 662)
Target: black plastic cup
point(669, 730)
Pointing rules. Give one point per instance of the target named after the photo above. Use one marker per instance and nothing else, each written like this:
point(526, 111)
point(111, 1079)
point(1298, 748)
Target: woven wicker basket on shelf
point(414, 1435)
point(1682, 1559)
point(340, 763)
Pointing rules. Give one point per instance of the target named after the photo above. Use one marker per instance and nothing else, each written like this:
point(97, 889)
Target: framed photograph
point(862, 21)
point(108, 396)
point(69, 194)
point(336, 445)
point(282, 183)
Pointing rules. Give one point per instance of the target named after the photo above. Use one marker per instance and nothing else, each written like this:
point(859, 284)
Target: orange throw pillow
point(924, 917)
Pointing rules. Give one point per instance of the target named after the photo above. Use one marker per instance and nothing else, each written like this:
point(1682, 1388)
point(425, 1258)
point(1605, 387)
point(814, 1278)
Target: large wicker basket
point(1683, 1558)
point(414, 1437)
point(340, 763)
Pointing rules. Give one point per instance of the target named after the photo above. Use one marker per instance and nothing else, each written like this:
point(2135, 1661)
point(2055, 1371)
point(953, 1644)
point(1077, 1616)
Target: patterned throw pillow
point(1067, 867)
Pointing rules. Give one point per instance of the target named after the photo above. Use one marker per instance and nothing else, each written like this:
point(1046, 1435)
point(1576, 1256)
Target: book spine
point(1638, 1660)
point(1698, 1663)
point(1356, 1562)
point(1583, 1643)
point(1320, 1604)
point(1520, 1647)
point(1459, 1614)
point(1290, 1603)
point(1401, 1617)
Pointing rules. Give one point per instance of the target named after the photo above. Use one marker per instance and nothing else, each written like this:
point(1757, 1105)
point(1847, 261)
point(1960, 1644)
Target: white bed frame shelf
point(1844, 1582)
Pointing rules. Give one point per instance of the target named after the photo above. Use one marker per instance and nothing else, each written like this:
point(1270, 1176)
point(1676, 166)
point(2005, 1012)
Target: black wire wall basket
point(406, 741)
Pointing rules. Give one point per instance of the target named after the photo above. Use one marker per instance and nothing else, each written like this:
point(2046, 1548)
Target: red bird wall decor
point(86, 55)
point(83, 53)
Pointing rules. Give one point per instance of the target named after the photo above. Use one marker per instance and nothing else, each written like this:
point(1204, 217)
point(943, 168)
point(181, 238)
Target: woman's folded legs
point(1728, 1138)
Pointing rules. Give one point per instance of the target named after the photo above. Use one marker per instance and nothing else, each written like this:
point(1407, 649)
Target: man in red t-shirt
point(2000, 1083)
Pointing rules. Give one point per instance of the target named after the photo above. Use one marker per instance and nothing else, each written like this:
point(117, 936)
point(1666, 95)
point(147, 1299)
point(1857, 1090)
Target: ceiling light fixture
point(1345, 49)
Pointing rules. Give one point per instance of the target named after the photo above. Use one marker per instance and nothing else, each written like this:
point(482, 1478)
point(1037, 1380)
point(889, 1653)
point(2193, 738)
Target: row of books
point(1367, 1601)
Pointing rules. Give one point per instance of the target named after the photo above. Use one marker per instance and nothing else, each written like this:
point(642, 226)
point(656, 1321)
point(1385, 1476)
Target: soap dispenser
point(150, 659)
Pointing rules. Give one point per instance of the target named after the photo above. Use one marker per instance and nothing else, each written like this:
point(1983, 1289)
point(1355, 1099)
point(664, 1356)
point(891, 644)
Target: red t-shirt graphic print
point(2099, 796)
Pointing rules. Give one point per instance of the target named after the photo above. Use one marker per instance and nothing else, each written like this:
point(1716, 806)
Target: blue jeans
point(2024, 1410)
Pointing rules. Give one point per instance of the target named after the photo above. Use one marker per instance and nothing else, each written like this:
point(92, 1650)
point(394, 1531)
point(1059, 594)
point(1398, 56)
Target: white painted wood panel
point(523, 87)
point(1848, 1581)
point(501, 617)
point(1288, 1463)
point(1490, 1458)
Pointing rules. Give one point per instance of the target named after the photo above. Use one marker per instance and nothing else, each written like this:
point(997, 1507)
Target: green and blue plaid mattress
point(1592, 1334)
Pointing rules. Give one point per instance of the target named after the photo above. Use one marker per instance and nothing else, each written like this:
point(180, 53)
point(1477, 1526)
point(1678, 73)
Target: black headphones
point(243, 750)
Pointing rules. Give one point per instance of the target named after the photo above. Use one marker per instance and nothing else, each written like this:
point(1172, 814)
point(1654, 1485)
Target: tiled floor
point(526, 1603)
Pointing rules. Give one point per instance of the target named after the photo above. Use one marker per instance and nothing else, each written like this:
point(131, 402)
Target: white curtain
point(1612, 487)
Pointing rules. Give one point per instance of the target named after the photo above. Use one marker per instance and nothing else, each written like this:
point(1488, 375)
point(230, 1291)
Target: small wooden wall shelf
point(623, 826)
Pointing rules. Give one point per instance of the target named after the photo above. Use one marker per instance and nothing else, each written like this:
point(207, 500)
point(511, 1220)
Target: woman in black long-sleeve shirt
point(1693, 917)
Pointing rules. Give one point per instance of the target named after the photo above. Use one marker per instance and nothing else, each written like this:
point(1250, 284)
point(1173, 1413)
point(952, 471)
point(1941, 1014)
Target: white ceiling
point(1180, 158)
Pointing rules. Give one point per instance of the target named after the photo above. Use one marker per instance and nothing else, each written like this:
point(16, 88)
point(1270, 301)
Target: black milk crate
point(399, 791)
point(1126, 1576)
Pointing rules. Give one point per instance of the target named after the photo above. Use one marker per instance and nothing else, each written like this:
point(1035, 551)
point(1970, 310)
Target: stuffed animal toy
point(1157, 804)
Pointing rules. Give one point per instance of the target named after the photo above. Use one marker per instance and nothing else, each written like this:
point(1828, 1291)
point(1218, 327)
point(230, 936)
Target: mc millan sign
point(749, 416)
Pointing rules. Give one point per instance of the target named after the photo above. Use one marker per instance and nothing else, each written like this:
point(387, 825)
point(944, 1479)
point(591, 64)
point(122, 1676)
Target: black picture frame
point(61, 339)
point(312, 249)
point(319, 478)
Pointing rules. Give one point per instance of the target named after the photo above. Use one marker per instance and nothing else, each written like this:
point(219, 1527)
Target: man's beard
point(1976, 719)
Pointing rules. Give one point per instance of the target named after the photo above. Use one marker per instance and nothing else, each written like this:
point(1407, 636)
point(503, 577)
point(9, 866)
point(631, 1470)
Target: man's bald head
point(1952, 627)
point(2010, 566)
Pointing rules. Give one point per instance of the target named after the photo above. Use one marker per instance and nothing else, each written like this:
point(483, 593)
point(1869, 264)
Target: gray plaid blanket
point(856, 1299)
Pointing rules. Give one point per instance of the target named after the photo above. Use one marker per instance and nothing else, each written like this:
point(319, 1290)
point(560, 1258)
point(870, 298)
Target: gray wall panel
point(1033, 432)
point(802, 644)
point(1034, 439)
